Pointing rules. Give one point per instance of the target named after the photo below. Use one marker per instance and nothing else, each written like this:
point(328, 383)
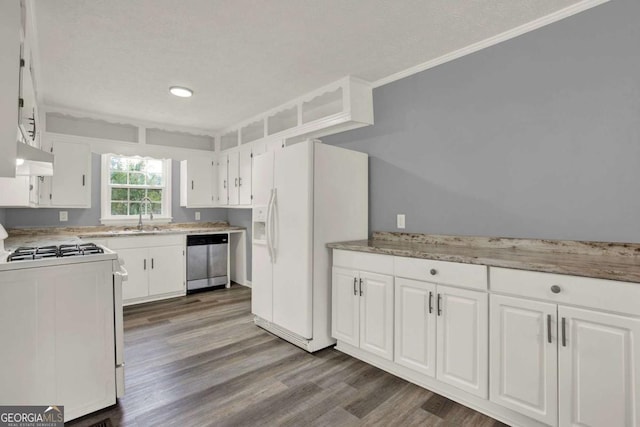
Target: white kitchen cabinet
point(197, 182)
point(223, 180)
point(442, 331)
point(598, 372)
point(415, 325)
point(70, 185)
point(245, 164)
point(238, 175)
point(10, 29)
point(164, 278)
point(463, 336)
point(524, 356)
point(156, 266)
point(233, 165)
point(135, 262)
point(599, 368)
point(60, 323)
point(21, 191)
point(363, 310)
point(345, 314)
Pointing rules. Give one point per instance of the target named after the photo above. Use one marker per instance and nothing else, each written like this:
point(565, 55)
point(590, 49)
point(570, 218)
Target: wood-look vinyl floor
point(199, 361)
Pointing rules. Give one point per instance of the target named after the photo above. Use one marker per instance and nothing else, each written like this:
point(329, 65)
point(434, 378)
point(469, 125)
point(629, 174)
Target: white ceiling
point(242, 57)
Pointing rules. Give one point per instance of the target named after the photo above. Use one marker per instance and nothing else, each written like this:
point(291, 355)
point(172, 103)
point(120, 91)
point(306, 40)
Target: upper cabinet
point(340, 106)
point(197, 182)
point(70, 185)
point(10, 40)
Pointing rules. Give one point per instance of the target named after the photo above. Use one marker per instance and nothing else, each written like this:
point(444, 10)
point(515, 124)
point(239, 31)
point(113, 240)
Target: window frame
point(105, 194)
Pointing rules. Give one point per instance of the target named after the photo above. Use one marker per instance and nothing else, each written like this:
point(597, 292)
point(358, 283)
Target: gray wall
point(242, 218)
point(49, 217)
point(535, 137)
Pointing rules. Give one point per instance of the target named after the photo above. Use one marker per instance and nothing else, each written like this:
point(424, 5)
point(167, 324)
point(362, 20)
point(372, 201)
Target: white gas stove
point(49, 255)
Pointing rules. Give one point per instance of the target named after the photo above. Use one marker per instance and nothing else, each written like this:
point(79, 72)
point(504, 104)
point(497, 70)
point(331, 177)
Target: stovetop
point(61, 251)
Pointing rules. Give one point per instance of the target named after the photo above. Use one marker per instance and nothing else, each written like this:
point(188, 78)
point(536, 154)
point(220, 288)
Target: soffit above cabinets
point(244, 57)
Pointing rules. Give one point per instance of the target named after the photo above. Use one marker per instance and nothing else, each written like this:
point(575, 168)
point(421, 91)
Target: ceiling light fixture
point(182, 92)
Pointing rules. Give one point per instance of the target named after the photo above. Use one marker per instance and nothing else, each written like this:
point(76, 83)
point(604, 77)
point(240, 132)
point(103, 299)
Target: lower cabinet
point(442, 331)
point(563, 365)
point(155, 265)
point(599, 368)
point(524, 357)
point(362, 312)
point(522, 352)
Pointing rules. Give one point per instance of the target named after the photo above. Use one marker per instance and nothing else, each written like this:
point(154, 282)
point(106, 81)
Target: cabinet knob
point(433, 271)
point(555, 289)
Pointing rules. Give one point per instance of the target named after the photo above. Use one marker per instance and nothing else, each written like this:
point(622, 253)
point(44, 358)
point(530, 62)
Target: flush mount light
point(182, 92)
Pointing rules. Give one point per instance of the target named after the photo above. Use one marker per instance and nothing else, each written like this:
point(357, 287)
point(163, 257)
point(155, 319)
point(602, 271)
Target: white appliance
point(61, 310)
point(305, 196)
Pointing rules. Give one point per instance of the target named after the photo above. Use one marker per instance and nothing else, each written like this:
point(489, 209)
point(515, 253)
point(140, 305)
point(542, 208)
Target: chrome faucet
point(147, 200)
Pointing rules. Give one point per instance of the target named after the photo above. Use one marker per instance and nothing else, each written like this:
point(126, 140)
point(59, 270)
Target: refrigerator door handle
point(272, 218)
point(268, 226)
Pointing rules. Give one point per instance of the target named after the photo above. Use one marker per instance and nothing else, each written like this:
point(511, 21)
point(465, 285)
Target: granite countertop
point(74, 235)
point(614, 261)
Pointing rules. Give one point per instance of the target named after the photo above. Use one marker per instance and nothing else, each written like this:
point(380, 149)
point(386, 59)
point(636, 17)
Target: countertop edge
point(604, 273)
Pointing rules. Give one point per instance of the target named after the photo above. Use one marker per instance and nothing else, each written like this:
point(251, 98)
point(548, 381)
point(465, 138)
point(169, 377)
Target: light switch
point(64, 216)
point(400, 221)
point(197, 216)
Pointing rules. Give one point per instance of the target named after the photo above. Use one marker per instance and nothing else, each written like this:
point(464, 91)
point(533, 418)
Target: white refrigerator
point(305, 196)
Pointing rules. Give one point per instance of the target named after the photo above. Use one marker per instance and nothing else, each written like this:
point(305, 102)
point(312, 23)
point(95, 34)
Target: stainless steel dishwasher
point(207, 262)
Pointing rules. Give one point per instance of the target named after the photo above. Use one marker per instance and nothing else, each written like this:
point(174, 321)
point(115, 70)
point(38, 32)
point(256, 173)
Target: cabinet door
point(9, 84)
point(463, 336)
point(223, 180)
point(166, 270)
point(524, 356)
point(136, 264)
point(345, 306)
point(415, 325)
point(199, 185)
point(234, 189)
point(376, 314)
point(244, 180)
point(71, 181)
point(15, 191)
point(599, 365)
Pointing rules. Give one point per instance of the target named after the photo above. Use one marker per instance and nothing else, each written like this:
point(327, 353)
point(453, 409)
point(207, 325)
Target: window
point(131, 185)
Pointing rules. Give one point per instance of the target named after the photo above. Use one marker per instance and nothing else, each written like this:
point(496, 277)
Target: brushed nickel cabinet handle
point(83, 179)
point(145, 264)
point(360, 287)
point(439, 304)
point(548, 328)
point(430, 302)
point(152, 266)
point(192, 184)
point(355, 283)
point(564, 332)
point(555, 289)
point(433, 271)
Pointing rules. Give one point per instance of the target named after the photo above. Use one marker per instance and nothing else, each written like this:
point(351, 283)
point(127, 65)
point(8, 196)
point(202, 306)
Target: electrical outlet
point(400, 221)
point(197, 216)
point(64, 216)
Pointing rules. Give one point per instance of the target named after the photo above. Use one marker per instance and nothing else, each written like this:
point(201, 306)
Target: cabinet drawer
point(145, 241)
point(447, 273)
point(375, 263)
point(585, 291)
